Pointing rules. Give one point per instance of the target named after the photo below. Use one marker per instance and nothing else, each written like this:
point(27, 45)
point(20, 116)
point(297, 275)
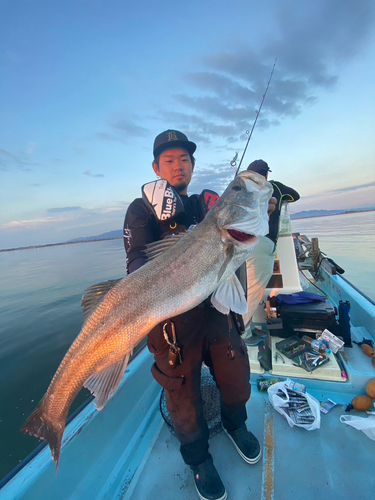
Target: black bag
point(306, 319)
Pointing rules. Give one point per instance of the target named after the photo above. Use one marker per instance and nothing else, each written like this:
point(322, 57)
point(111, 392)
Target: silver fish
point(200, 263)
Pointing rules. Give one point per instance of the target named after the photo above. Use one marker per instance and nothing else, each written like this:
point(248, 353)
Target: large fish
point(200, 263)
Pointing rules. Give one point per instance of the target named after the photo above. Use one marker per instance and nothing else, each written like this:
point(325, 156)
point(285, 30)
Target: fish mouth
point(241, 237)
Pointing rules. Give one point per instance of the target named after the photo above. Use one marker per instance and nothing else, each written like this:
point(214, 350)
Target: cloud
point(220, 98)
point(8, 155)
point(103, 136)
point(6, 158)
point(221, 85)
point(63, 209)
point(353, 188)
point(215, 107)
point(18, 225)
point(122, 129)
point(8, 161)
point(130, 128)
point(217, 177)
point(360, 196)
point(66, 218)
point(317, 39)
point(87, 172)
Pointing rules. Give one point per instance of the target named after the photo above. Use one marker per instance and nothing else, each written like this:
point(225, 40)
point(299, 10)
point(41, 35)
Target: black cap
point(172, 139)
point(259, 166)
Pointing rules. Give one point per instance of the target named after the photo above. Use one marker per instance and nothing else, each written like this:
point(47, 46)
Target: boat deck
point(334, 462)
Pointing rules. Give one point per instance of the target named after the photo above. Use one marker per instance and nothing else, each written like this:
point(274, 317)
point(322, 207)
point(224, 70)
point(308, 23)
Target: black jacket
point(141, 227)
point(282, 193)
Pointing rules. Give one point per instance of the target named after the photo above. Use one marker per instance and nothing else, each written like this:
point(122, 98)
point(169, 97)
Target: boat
point(127, 450)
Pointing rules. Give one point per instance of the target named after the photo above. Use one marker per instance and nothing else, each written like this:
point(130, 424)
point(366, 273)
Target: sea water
point(40, 313)
point(348, 239)
point(40, 316)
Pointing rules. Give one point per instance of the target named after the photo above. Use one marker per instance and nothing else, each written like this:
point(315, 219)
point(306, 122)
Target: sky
point(86, 85)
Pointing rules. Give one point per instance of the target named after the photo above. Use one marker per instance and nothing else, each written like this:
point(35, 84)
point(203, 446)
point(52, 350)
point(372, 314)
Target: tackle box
point(300, 353)
point(292, 346)
point(306, 319)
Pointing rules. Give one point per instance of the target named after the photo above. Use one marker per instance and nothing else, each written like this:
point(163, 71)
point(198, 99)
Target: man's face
point(175, 166)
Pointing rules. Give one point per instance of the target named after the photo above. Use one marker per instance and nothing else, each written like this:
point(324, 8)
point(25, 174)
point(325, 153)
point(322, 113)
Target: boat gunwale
point(11, 474)
point(357, 289)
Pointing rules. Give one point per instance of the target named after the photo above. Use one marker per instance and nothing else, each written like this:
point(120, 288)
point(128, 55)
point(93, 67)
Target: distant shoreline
point(109, 239)
point(331, 215)
point(57, 244)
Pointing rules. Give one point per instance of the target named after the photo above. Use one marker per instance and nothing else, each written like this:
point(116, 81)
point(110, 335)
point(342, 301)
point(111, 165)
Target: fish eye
point(236, 188)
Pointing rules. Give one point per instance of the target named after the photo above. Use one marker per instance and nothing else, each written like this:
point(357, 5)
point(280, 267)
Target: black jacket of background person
point(142, 228)
point(281, 193)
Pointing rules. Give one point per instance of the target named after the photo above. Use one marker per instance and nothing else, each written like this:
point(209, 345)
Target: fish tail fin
point(41, 426)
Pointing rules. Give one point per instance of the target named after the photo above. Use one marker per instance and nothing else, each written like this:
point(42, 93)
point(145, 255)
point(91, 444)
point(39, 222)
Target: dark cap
point(172, 139)
point(259, 166)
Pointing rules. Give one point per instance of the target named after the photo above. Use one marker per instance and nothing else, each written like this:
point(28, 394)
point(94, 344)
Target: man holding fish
point(202, 334)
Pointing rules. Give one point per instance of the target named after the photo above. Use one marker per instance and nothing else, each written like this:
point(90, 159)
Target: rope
point(315, 256)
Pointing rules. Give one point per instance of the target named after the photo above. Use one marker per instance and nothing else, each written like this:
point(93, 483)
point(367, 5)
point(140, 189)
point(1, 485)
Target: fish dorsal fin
point(94, 295)
point(104, 383)
point(229, 296)
point(158, 247)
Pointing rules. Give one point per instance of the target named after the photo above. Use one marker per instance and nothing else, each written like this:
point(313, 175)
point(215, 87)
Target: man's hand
point(271, 205)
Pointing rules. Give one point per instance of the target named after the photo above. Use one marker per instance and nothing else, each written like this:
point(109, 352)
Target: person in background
point(260, 264)
point(203, 334)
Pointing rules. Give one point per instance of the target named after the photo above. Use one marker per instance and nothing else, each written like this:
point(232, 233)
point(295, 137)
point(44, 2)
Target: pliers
point(278, 355)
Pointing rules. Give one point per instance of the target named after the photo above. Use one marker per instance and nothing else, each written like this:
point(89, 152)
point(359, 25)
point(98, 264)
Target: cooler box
point(306, 319)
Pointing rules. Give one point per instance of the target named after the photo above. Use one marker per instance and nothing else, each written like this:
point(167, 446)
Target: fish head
point(242, 210)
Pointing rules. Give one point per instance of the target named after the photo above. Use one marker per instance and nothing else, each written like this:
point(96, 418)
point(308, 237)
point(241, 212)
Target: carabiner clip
point(166, 337)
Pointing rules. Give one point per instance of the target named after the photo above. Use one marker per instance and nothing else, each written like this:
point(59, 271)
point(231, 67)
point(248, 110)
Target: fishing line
point(257, 112)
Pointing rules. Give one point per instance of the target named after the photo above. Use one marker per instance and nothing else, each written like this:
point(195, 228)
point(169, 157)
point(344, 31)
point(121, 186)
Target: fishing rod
point(257, 112)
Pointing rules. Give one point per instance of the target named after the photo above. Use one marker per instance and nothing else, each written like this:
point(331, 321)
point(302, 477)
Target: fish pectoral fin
point(158, 247)
point(104, 383)
point(229, 296)
point(94, 295)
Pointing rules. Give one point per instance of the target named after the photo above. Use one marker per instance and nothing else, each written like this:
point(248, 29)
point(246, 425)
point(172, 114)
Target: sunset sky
point(86, 85)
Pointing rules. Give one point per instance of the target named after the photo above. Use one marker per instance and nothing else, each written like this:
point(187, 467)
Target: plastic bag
point(285, 225)
point(333, 342)
point(366, 425)
point(278, 402)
